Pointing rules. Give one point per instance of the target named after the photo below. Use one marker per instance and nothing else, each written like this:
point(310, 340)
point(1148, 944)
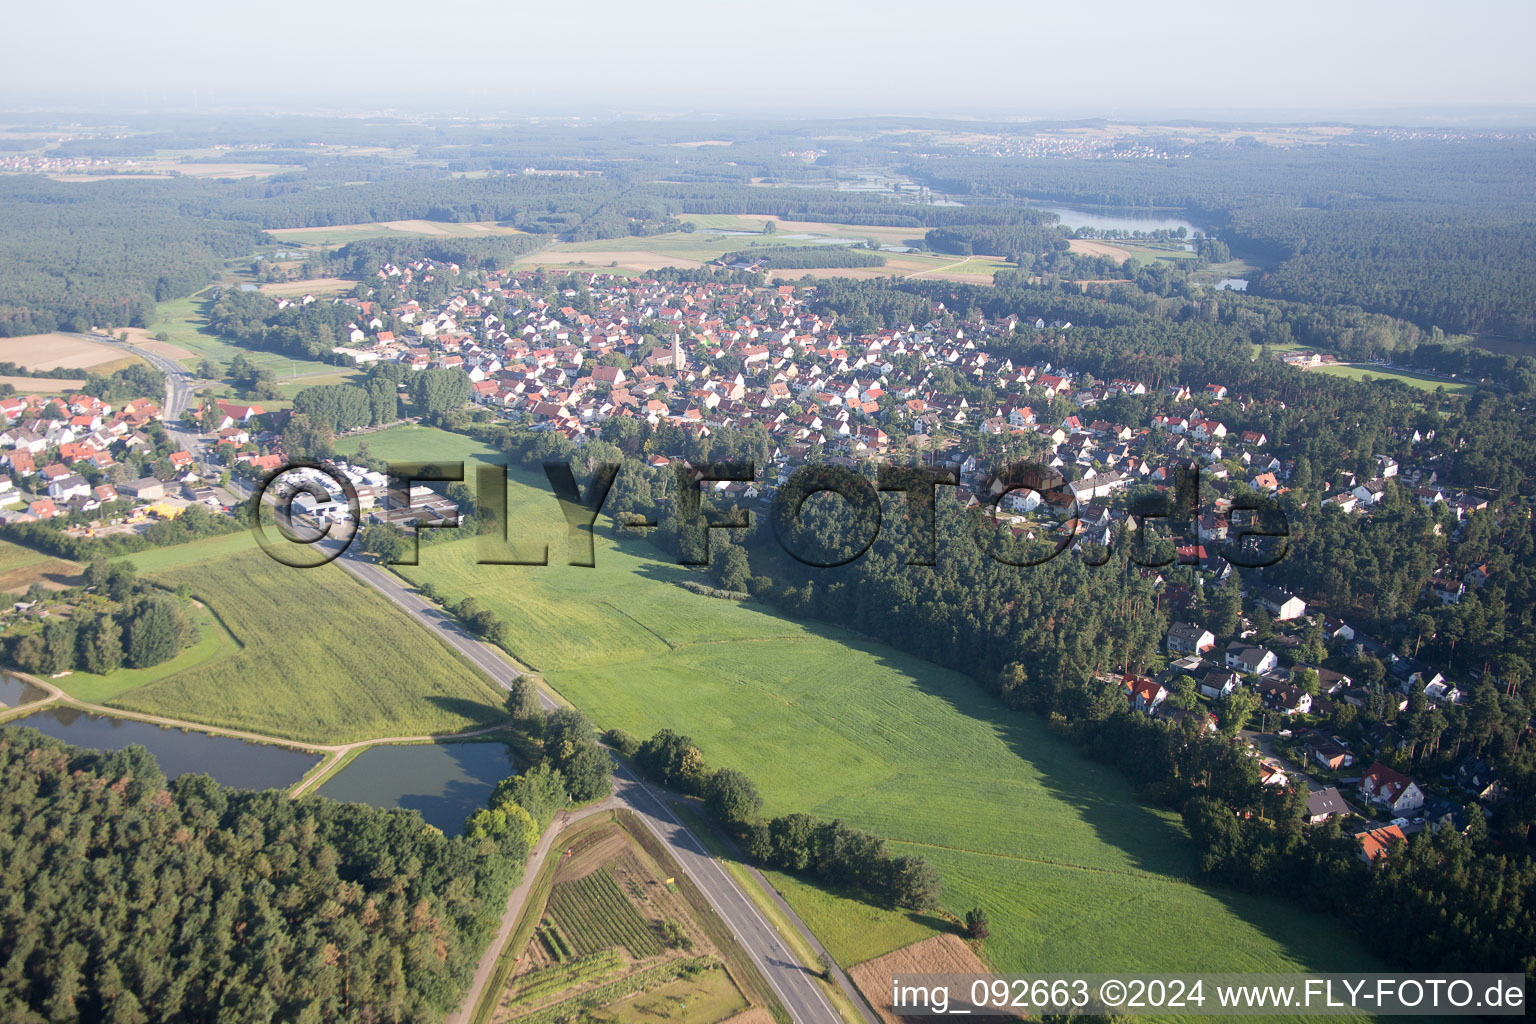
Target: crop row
point(595, 914)
point(536, 985)
point(640, 981)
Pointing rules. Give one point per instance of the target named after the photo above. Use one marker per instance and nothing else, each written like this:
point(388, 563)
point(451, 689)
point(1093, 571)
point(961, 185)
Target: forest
point(132, 899)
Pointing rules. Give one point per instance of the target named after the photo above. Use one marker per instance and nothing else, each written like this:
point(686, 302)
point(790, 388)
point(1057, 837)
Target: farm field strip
point(381, 676)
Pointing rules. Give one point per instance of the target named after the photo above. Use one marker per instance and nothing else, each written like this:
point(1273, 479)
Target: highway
point(794, 984)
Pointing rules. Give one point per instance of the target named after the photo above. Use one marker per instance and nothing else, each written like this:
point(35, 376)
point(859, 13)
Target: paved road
point(795, 986)
point(178, 388)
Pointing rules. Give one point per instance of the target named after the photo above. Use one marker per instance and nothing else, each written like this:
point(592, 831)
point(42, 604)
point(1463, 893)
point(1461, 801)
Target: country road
point(178, 387)
point(794, 984)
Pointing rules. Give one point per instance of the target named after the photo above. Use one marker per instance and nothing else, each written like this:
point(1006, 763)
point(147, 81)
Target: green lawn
point(1413, 380)
point(323, 659)
point(1073, 870)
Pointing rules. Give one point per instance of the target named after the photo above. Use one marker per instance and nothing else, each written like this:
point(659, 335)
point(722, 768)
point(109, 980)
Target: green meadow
point(318, 657)
point(185, 323)
point(1073, 870)
point(1413, 380)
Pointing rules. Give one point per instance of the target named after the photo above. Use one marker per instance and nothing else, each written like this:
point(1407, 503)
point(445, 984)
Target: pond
point(1233, 284)
point(15, 692)
point(1119, 219)
point(446, 782)
point(232, 762)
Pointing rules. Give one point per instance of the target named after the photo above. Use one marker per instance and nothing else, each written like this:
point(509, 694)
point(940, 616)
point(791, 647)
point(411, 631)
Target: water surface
point(14, 692)
point(446, 782)
point(1126, 219)
point(232, 762)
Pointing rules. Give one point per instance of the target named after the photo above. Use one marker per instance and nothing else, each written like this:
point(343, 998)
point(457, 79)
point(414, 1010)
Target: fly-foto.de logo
point(316, 511)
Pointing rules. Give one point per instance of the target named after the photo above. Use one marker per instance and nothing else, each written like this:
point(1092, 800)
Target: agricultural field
point(336, 236)
point(43, 385)
point(20, 567)
point(606, 928)
point(313, 286)
point(590, 914)
point(54, 351)
point(1073, 870)
point(694, 249)
point(1422, 382)
point(295, 678)
point(942, 954)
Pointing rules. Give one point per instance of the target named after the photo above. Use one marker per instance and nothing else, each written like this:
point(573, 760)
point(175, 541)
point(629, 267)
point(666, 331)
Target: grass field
point(157, 560)
point(185, 323)
point(1073, 870)
point(1413, 380)
point(852, 929)
point(323, 659)
point(412, 443)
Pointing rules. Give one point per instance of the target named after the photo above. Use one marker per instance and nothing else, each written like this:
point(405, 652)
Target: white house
point(1254, 661)
point(1389, 788)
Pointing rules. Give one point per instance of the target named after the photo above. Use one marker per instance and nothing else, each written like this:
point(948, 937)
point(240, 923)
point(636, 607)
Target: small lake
point(445, 782)
point(1232, 284)
point(1123, 219)
point(230, 761)
point(15, 692)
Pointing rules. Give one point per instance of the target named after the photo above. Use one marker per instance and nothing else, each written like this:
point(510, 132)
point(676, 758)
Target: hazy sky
point(980, 57)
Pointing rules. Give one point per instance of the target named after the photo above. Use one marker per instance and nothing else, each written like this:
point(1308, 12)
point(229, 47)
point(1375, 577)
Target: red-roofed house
point(1378, 842)
point(1389, 788)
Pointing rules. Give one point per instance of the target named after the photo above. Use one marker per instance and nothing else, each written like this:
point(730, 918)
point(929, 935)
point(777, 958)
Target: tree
point(30, 653)
point(1186, 694)
point(731, 569)
point(914, 882)
point(104, 646)
point(156, 633)
point(588, 772)
point(1226, 606)
point(1236, 708)
point(523, 700)
point(732, 799)
point(622, 741)
point(306, 438)
point(976, 925)
point(540, 791)
point(59, 637)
